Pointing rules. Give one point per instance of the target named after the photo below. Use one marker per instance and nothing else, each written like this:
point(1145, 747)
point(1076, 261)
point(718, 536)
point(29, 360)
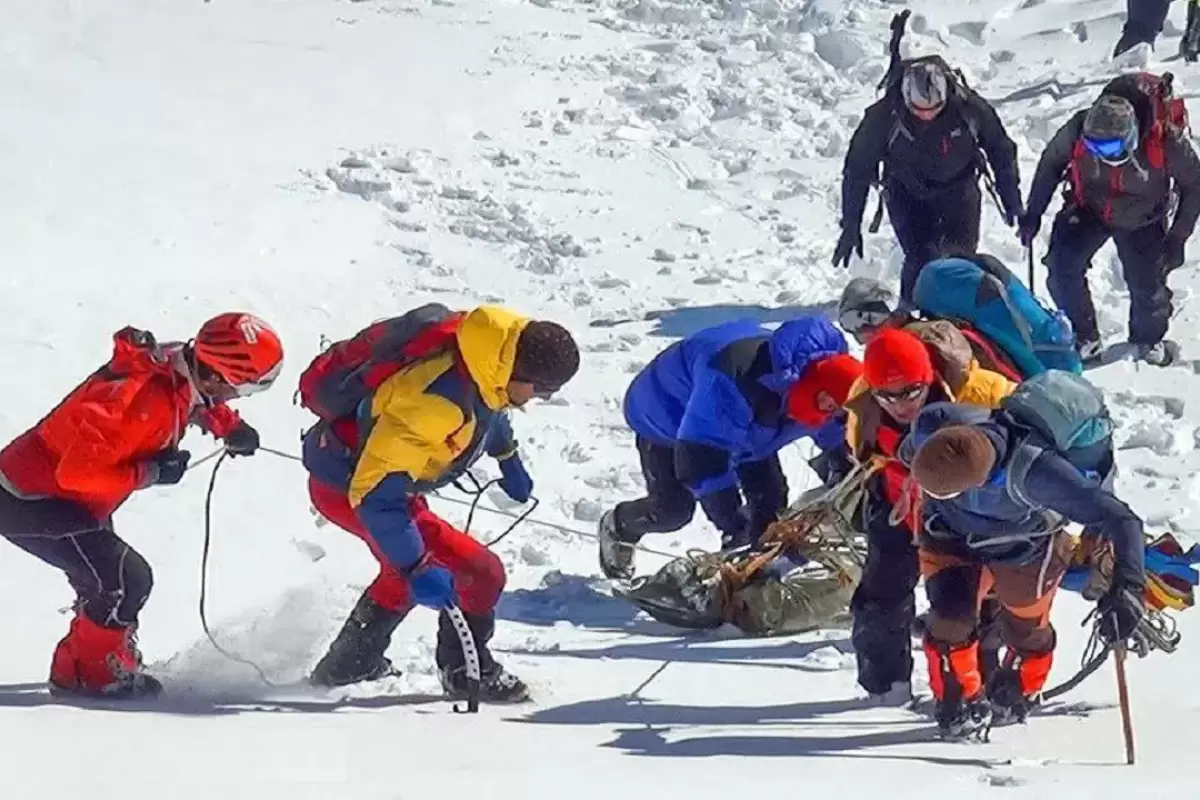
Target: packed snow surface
point(636, 169)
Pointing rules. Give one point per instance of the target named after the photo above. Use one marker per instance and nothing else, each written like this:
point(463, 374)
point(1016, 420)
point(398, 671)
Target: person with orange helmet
point(117, 432)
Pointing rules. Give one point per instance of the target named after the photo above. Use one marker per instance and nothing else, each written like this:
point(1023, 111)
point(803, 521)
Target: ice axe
point(470, 656)
point(1029, 257)
point(1123, 699)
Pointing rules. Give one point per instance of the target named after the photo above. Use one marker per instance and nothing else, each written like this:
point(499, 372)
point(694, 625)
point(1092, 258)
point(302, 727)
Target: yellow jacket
point(982, 387)
point(429, 422)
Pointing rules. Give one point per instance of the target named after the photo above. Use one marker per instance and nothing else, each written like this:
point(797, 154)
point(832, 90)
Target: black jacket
point(1125, 197)
point(927, 160)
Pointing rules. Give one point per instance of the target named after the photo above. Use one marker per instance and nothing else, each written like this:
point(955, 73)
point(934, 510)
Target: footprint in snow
point(311, 550)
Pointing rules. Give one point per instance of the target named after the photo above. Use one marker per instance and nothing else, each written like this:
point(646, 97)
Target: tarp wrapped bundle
point(800, 577)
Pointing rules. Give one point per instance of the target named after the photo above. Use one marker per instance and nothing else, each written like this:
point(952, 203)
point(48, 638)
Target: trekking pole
point(471, 656)
point(1029, 257)
point(1123, 698)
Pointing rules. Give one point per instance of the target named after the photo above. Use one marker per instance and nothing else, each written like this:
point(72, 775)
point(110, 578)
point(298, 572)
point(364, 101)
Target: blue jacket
point(1005, 521)
point(718, 396)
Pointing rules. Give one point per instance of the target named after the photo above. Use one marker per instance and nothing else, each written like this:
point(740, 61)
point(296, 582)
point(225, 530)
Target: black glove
point(850, 240)
point(1120, 612)
point(242, 440)
point(1173, 253)
point(167, 467)
point(1027, 228)
point(1013, 212)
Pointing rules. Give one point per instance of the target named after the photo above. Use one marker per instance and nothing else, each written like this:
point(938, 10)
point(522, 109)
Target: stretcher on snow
point(799, 577)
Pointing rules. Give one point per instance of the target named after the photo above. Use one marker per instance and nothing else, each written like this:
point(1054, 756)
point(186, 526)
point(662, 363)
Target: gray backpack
point(1062, 412)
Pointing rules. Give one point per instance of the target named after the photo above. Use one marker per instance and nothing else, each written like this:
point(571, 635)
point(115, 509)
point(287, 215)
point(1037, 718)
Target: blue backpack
point(983, 293)
point(1065, 413)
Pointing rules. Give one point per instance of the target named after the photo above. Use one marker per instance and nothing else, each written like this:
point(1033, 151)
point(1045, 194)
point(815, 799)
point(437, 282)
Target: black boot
point(495, 684)
point(959, 720)
point(357, 652)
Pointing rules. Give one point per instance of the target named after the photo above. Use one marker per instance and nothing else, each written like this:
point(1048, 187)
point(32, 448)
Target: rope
point(221, 454)
point(519, 518)
point(1095, 654)
point(212, 483)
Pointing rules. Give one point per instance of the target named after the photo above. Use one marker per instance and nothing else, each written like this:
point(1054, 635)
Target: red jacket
point(93, 447)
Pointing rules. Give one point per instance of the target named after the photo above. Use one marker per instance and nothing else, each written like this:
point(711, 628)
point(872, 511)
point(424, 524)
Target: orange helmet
point(242, 349)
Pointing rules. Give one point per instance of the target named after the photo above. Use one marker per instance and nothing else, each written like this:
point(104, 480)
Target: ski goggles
point(248, 388)
point(855, 320)
point(905, 394)
point(218, 389)
point(1107, 149)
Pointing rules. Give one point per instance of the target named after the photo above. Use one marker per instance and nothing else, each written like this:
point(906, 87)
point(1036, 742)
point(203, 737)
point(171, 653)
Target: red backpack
point(339, 378)
point(1160, 114)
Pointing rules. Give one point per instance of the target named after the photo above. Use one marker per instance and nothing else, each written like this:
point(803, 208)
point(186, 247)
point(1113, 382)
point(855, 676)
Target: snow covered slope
point(634, 169)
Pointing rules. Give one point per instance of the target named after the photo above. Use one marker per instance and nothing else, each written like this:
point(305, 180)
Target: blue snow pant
point(1076, 236)
point(1144, 21)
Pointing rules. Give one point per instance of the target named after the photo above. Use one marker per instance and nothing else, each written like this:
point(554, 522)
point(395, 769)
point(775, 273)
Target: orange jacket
point(93, 447)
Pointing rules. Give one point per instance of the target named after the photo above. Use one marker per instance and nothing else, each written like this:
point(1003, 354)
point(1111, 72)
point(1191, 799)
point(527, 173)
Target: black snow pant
point(883, 606)
point(1144, 20)
point(929, 228)
point(111, 580)
point(670, 505)
point(1076, 236)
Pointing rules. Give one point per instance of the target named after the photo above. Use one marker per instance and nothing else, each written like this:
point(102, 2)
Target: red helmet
point(242, 349)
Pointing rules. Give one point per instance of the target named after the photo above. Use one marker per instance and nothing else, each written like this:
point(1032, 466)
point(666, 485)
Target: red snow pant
point(478, 573)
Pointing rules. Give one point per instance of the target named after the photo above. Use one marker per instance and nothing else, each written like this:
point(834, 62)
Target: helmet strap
point(191, 368)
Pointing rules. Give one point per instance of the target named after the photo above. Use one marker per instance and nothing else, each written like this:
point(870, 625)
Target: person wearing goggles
point(1123, 161)
point(867, 306)
point(118, 432)
point(900, 376)
point(926, 143)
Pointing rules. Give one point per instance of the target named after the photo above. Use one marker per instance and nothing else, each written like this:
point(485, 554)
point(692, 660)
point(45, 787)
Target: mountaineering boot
point(1160, 354)
point(495, 684)
point(964, 719)
point(95, 661)
point(616, 556)
point(357, 653)
point(1017, 688)
point(963, 711)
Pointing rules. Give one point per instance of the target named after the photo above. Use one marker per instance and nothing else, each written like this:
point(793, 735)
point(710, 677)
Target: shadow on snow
point(686, 320)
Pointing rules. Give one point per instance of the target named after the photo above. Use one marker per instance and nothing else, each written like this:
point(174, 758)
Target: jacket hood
point(796, 344)
point(487, 341)
point(936, 416)
point(136, 351)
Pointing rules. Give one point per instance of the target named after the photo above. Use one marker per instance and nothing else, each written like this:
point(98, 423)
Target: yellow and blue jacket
point(421, 429)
